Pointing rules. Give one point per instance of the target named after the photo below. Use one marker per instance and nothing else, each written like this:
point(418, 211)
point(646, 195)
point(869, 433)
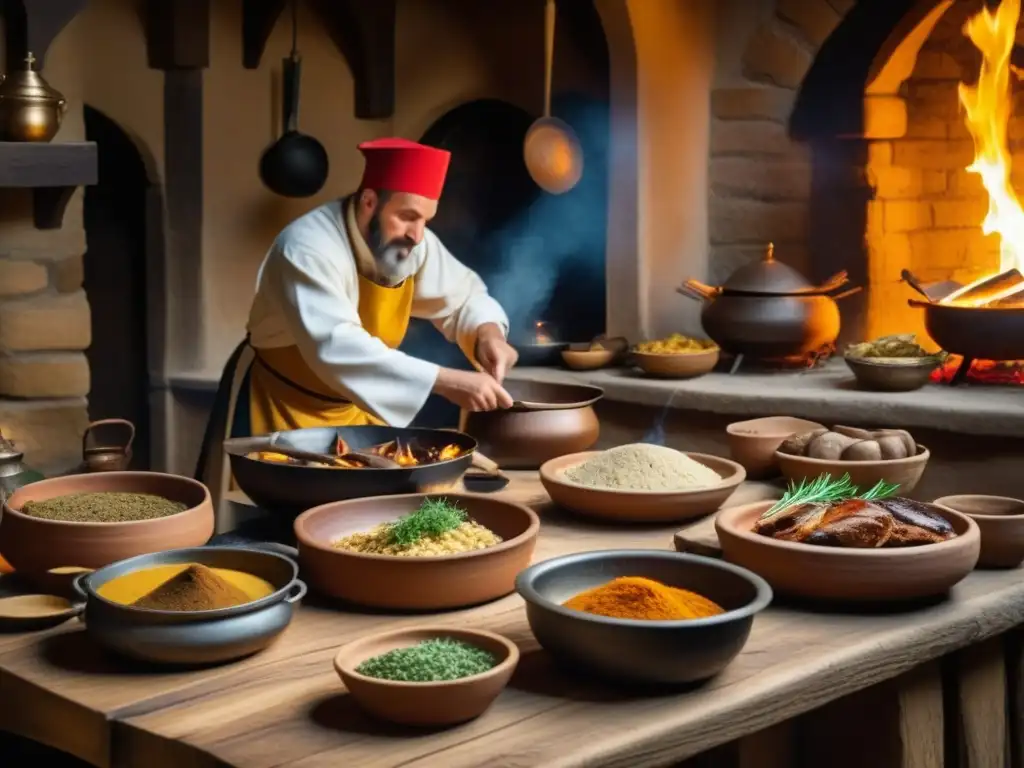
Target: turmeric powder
point(634, 597)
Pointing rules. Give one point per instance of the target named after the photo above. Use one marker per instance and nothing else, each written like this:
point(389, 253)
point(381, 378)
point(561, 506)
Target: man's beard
point(392, 257)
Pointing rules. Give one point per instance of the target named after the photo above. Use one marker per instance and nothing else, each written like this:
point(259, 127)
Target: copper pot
point(769, 310)
point(547, 420)
point(113, 457)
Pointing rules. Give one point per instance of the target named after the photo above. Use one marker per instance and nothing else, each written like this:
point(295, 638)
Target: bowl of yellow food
point(676, 357)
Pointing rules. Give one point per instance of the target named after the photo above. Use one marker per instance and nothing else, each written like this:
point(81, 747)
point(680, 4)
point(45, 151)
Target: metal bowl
point(194, 637)
point(892, 377)
point(634, 650)
point(293, 488)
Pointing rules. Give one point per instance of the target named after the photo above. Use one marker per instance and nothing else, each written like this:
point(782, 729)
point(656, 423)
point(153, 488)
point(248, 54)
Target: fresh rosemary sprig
point(434, 517)
point(825, 489)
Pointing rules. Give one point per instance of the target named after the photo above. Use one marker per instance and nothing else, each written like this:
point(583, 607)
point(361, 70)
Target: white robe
point(307, 294)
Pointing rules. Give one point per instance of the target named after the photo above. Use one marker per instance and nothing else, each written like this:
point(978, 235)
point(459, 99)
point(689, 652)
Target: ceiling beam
point(258, 20)
point(177, 33)
point(31, 25)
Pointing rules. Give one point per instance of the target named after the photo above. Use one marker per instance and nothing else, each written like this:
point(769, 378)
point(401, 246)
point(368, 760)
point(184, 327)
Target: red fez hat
point(398, 165)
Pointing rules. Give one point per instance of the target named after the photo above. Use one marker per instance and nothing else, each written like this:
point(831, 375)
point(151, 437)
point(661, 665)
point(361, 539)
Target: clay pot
point(426, 704)
point(683, 365)
point(1001, 522)
point(906, 473)
point(850, 575)
point(413, 583)
point(548, 420)
point(35, 545)
point(753, 443)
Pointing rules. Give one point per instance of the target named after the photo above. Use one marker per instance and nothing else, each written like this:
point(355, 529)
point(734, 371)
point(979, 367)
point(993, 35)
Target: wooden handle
point(485, 464)
point(110, 423)
point(707, 291)
point(549, 53)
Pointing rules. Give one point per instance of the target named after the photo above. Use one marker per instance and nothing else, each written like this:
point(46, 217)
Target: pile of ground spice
point(429, 661)
point(643, 467)
point(197, 588)
point(103, 507)
point(634, 597)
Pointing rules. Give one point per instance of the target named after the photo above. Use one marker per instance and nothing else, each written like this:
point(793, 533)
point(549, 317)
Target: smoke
point(656, 434)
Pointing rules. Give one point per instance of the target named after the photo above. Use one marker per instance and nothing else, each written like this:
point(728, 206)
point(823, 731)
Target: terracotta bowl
point(35, 545)
point(442, 703)
point(891, 377)
point(639, 506)
point(684, 365)
point(636, 650)
point(904, 472)
point(849, 575)
point(1000, 520)
point(588, 359)
point(414, 583)
point(753, 443)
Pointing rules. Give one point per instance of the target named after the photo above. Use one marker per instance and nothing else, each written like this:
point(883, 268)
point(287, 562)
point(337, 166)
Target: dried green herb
point(825, 489)
point(434, 517)
point(103, 507)
point(429, 661)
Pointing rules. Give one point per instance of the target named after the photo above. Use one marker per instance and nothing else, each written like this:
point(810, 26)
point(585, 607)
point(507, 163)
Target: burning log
point(987, 290)
point(1014, 300)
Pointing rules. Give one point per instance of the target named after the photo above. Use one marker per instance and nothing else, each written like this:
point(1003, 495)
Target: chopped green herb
point(824, 489)
point(429, 661)
point(434, 517)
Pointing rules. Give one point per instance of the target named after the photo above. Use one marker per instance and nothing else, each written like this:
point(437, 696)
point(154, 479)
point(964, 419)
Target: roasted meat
point(859, 524)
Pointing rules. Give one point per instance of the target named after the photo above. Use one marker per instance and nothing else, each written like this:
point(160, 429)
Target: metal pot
point(769, 310)
point(977, 333)
point(107, 458)
point(547, 420)
point(30, 110)
point(200, 637)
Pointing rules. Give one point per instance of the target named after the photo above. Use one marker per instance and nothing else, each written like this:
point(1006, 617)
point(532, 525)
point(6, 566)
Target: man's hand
point(471, 390)
point(495, 355)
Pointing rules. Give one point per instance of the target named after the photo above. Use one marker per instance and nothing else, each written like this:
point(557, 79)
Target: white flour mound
point(643, 467)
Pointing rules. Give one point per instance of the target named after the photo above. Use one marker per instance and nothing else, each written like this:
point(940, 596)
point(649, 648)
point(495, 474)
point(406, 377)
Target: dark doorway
point(115, 282)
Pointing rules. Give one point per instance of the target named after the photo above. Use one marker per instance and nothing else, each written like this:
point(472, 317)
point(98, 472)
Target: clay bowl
point(639, 506)
point(34, 545)
point(1000, 520)
point(587, 359)
point(547, 420)
point(447, 702)
point(849, 575)
point(753, 443)
point(906, 473)
point(892, 376)
point(684, 365)
point(636, 650)
point(414, 583)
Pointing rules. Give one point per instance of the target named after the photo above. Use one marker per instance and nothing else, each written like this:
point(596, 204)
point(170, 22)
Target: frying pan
point(292, 488)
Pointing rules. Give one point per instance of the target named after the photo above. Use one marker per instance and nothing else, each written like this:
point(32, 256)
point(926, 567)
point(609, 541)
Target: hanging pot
point(768, 310)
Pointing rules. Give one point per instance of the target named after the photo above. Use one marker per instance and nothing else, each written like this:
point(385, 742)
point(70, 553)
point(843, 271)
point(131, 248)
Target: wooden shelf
point(52, 171)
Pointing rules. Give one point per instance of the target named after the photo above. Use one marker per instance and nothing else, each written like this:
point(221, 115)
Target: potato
point(796, 445)
point(909, 443)
point(862, 450)
point(829, 446)
point(856, 432)
point(892, 446)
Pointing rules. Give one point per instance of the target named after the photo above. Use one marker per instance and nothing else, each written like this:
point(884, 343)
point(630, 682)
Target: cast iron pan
point(292, 488)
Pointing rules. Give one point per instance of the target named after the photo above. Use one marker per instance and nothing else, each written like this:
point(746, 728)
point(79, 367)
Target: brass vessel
point(30, 110)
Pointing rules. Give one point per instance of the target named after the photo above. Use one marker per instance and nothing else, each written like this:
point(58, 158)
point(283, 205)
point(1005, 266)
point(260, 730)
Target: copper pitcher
point(110, 457)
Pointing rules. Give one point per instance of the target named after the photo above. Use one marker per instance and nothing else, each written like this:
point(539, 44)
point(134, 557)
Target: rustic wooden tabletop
point(286, 706)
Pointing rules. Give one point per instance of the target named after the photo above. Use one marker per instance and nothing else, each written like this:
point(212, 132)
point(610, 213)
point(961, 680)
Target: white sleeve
point(310, 293)
point(453, 297)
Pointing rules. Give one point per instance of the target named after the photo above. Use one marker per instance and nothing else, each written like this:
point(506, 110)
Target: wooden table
point(286, 706)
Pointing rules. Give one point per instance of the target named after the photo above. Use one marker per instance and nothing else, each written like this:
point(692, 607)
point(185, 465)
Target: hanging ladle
point(551, 149)
point(295, 165)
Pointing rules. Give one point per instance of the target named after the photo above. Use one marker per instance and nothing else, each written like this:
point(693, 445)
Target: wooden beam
point(365, 34)
point(52, 171)
point(177, 34)
point(258, 20)
point(31, 25)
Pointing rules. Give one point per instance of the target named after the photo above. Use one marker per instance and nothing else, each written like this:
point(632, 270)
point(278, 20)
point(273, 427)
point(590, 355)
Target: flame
point(541, 334)
point(987, 106)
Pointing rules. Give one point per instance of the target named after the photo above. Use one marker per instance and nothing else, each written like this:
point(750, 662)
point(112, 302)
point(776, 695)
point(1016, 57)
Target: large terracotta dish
point(639, 506)
point(414, 583)
point(849, 575)
point(904, 472)
point(35, 545)
point(1000, 521)
point(682, 365)
point(447, 702)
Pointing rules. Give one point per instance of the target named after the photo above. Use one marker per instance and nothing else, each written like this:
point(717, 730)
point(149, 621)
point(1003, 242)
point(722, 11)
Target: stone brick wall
point(44, 330)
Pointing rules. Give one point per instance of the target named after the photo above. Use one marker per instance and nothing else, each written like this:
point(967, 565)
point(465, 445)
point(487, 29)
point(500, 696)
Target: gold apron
point(285, 393)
